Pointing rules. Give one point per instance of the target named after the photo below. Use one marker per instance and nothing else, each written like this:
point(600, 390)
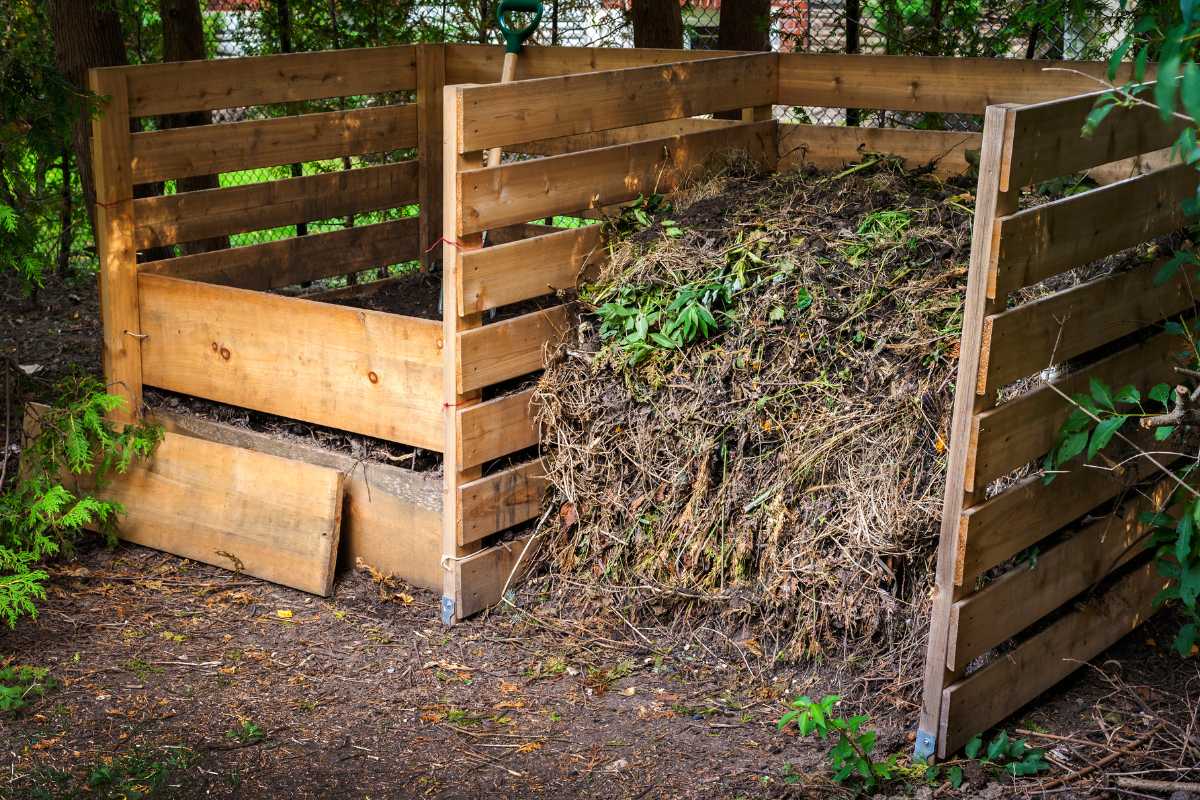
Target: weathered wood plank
point(483, 575)
point(607, 138)
point(501, 500)
point(832, 147)
point(495, 196)
point(494, 353)
point(498, 115)
point(233, 146)
point(233, 82)
point(1040, 242)
point(191, 216)
point(330, 365)
point(431, 84)
point(299, 258)
point(474, 63)
point(527, 268)
point(496, 428)
point(989, 695)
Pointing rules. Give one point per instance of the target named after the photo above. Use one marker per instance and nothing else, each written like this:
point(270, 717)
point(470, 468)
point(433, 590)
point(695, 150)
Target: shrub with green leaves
point(1013, 756)
point(850, 758)
point(21, 685)
point(70, 455)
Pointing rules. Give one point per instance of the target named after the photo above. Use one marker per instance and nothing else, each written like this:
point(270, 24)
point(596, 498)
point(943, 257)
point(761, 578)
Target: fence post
point(431, 80)
point(119, 314)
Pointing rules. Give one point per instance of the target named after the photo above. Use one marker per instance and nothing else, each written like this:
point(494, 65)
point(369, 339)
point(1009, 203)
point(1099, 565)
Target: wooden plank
point(508, 349)
point(330, 365)
point(1025, 594)
point(520, 270)
point(1040, 242)
point(501, 500)
point(391, 517)
point(991, 694)
point(266, 516)
point(923, 83)
point(496, 428)
point(299, 258)
point(512, 193)
point(1026, 427)
point(832, 147)
point(498, 115)
point(234, 146)
point(119, 313)
point(1050, 144)
point(1031, 337)
point(431, 83)
point(474, 63)
point(233, 82)
point(483, 575)
point(607, 138)
point(191, 216)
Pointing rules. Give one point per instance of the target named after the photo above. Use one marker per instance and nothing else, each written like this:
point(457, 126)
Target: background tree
point(745, 25)
point(657, 23)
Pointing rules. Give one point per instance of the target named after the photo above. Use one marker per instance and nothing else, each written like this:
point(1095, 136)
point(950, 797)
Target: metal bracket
point(925, 746)
point(447, 610)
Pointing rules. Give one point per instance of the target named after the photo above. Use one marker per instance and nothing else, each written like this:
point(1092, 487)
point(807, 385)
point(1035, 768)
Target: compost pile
point(750, 430)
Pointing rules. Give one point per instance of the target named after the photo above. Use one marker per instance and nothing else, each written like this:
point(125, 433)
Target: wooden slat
point(233, 82)
point(474, 63)
point(299, 258)
point(920, 83)
point(1029, 338)
point(520, 270)
point(988, 696)
point(191, 216)
point(512, 193)
point(483, 575)
point(1044, 241)
point(1026, 427)
point(431, 84)
point(234, 146)
point(330, 365)
point(391, 517)
point(832, 147)
point(496, 428)
point(269, 517)
point(498, 115)
point(633, 133)
point(501, 500)
point(1050, 144)
point(119, 315)
point(1025, 594)
point(494, 353)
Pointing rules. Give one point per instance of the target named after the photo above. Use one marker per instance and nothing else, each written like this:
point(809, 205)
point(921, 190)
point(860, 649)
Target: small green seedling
point(850, 758)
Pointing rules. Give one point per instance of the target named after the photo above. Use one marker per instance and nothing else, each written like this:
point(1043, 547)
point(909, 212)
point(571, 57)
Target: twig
point(1157, 786)
point(1108, 759)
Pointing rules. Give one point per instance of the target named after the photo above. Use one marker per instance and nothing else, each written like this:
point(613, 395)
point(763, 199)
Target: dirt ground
point(173, 679)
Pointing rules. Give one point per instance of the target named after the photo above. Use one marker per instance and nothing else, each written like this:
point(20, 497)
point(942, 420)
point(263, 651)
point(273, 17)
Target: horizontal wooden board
point(483, 575)
point(287, 262)
point(233, 146)
point(475, 63)
point(921, 83)
point(512, 193)
point(509, 273)
point(270, 517)
point(391, 518)
point(191, 216)
point(499, 501)
point(495, 428)
point(510, 348)
point(1031, 337)
point(607, 138)
point(1040, 242)
point(834, 146)
point(233, 82)
point(502, 114)
point(357, 370)
point(1047, 142)
point(1026, 427)
point(988, 696)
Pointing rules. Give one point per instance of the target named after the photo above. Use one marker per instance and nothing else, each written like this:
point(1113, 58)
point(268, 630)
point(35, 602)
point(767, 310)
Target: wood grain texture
point(495, 196)
point(330, 365)
point(510, 348)
point(833, 147)
point(496, 428)
point(483, 575)
point(501, 500)
point(234, 146)
point(233, 82)
point(607, 138)
point(191, 216)
point(475, 63)
point(431, 84)
point(527, 268)
point(498, 115)
point(290, 261)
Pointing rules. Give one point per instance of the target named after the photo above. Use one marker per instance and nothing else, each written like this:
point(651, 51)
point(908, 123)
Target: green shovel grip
point(514, 38)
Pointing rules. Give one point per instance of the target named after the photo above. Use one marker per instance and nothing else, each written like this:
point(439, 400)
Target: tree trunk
point(183, 40)
point(745, 25)
point(65, 232)
point(657, 23)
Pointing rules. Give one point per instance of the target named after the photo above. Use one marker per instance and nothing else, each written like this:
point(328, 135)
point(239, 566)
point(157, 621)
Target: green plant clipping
point(21, 685)
point(851, 757)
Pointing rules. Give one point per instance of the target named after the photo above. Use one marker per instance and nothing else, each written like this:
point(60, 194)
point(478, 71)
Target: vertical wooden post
point(452, 322)
point(119, 315)
point(994, 199)
point(431, 82)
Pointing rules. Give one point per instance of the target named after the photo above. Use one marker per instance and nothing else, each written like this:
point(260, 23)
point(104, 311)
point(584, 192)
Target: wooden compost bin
point(597, 128)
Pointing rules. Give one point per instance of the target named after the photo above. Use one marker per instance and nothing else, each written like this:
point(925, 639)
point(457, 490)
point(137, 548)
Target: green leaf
point(1103, 434)
point(1101, 393)
point(1163, 432)
point(804, 299)
point(1139, 64)
point(1185, 639)
point(1114, 61)
point(1171, 267)
point(1072, 446)
point(1161, 392)
point(998, 746)
point(1183, 538)
point(974, 746)
point(1102, 109)
point(1166, 89)
point(955, 776)
point(1190, 90)
point(1129, 394)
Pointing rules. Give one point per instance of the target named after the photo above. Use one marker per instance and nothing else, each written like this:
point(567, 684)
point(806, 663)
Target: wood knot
point(372, 377)
point(225, 353)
